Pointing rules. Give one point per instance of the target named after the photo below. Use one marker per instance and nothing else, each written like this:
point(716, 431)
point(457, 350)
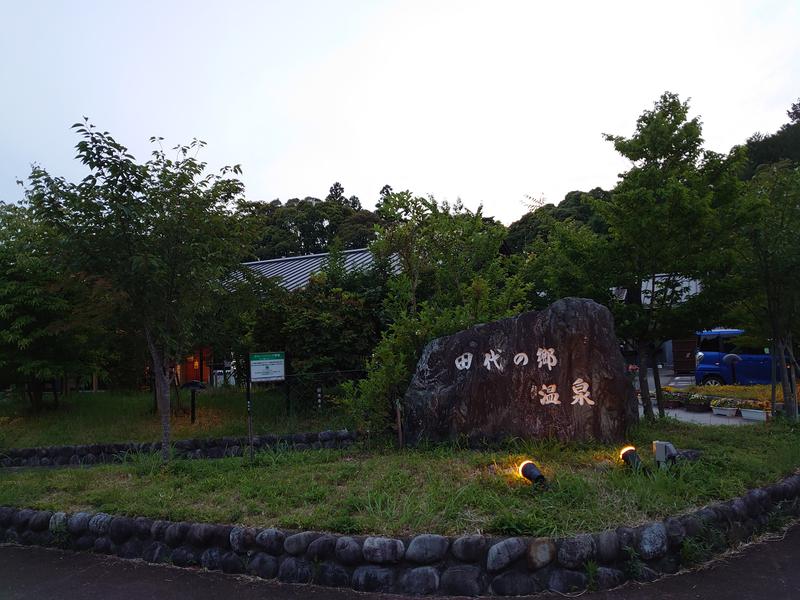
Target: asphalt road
point(767, 570)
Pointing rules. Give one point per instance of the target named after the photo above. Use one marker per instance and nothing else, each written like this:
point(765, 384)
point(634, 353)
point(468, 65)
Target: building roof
point(295, 271)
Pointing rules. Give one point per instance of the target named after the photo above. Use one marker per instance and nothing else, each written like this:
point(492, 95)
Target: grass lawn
point(86, 418)
point(439, 490)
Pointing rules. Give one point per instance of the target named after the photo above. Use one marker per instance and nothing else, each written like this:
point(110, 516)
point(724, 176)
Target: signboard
point(267, 366)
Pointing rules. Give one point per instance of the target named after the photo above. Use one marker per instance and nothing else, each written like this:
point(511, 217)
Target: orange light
point(519, 469)
point(625, 449)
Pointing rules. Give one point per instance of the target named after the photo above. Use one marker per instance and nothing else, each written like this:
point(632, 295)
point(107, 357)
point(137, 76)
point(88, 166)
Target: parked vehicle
point(723, 358)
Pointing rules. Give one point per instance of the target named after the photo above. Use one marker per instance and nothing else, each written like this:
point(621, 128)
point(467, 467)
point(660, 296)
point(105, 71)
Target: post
point(287, 386)
point(194, 414)
point(249, 412)
point(319, 397)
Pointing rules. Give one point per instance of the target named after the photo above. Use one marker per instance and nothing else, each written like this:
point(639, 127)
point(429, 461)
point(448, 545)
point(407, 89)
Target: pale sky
point(489, 102)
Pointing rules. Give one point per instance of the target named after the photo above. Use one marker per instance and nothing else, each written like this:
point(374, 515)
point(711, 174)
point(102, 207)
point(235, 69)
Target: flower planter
point(724, 411)
point(698, 408)
point(673, 404)
point(754, 414)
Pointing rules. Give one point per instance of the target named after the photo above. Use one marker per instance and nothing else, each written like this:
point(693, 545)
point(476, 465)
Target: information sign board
point(267, 366)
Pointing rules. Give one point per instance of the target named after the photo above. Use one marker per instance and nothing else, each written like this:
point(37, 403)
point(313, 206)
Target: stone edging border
point(426, 564)
point(198, 448)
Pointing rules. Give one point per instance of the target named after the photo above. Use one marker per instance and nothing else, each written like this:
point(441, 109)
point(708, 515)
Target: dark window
point(709, 344)
point(748, 350)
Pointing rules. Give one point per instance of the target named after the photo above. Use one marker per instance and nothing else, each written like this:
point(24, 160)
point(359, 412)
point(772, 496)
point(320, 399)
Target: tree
point(661, 226)
point(794, 112)
point(646, 242)
point(310, 225)
point(336, 195)
point(358, 230)
point(577, 206)
point(784, 144)
point(162, 233)
point(385, 192)
point(451, 276)
point(52, 321)
point(766, 263)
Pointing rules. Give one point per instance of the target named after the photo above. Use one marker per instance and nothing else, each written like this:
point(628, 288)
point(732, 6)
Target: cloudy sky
point(490, 102)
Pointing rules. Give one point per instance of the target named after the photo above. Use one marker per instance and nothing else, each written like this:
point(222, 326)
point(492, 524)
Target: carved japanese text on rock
point(555, 373)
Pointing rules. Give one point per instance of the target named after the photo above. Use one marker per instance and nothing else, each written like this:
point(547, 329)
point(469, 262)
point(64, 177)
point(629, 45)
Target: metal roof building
point(294, 272)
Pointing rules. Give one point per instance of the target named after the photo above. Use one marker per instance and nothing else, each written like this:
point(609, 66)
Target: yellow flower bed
point(760, 393)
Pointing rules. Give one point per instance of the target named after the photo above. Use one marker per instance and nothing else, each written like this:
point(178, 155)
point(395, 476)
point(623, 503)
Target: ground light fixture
point(665, 453)
point(630, 457)
point(531, 472)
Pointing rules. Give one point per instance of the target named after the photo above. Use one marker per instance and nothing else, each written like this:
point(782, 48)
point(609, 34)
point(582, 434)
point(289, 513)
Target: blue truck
point(746, 364)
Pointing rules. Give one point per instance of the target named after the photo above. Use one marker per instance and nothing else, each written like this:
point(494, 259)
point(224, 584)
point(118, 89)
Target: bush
point(452, 277)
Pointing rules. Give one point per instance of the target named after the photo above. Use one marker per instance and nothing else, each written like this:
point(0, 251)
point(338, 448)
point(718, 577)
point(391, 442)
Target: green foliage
point(661, 220)
point(762, 281)
point(162, 235)
point(633, 565)
point(536, 225)
point(782, 145)
point(591, 574)
point(53, 320)
point(452, 276)
point(331, 324)
point(309, 225)
point(694, 551)
point(659, 223)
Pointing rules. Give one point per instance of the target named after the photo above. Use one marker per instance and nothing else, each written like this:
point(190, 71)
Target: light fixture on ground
point(665, 453)
point(531, 472)
point(630, 457)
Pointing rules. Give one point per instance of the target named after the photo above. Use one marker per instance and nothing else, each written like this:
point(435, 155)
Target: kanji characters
point(549, 395)
point(581, 393)
point(490, 358)
point(546, 357)
point(464, 361)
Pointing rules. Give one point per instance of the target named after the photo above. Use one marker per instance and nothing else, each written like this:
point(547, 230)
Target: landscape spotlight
point(629, 456)
point(665, 453)
point(531, 472)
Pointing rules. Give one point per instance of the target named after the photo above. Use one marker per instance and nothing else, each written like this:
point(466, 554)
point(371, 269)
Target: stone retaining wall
point(425, 564)
point(195, 448)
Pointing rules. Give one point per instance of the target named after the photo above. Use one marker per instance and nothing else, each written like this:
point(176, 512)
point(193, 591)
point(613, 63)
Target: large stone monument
point(555, 373)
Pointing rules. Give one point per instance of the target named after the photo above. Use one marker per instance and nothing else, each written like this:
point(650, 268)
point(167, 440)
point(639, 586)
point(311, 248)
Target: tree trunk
point(789, 400)
point(773, 378)
point(644, 386)
point(161, 374)
point(399, 423)
point(176, 384)
point(657, 384)
point(792, 369)
point(35, 394)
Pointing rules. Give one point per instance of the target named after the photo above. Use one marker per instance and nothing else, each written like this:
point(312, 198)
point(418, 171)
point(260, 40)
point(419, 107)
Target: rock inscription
point(554, 373)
